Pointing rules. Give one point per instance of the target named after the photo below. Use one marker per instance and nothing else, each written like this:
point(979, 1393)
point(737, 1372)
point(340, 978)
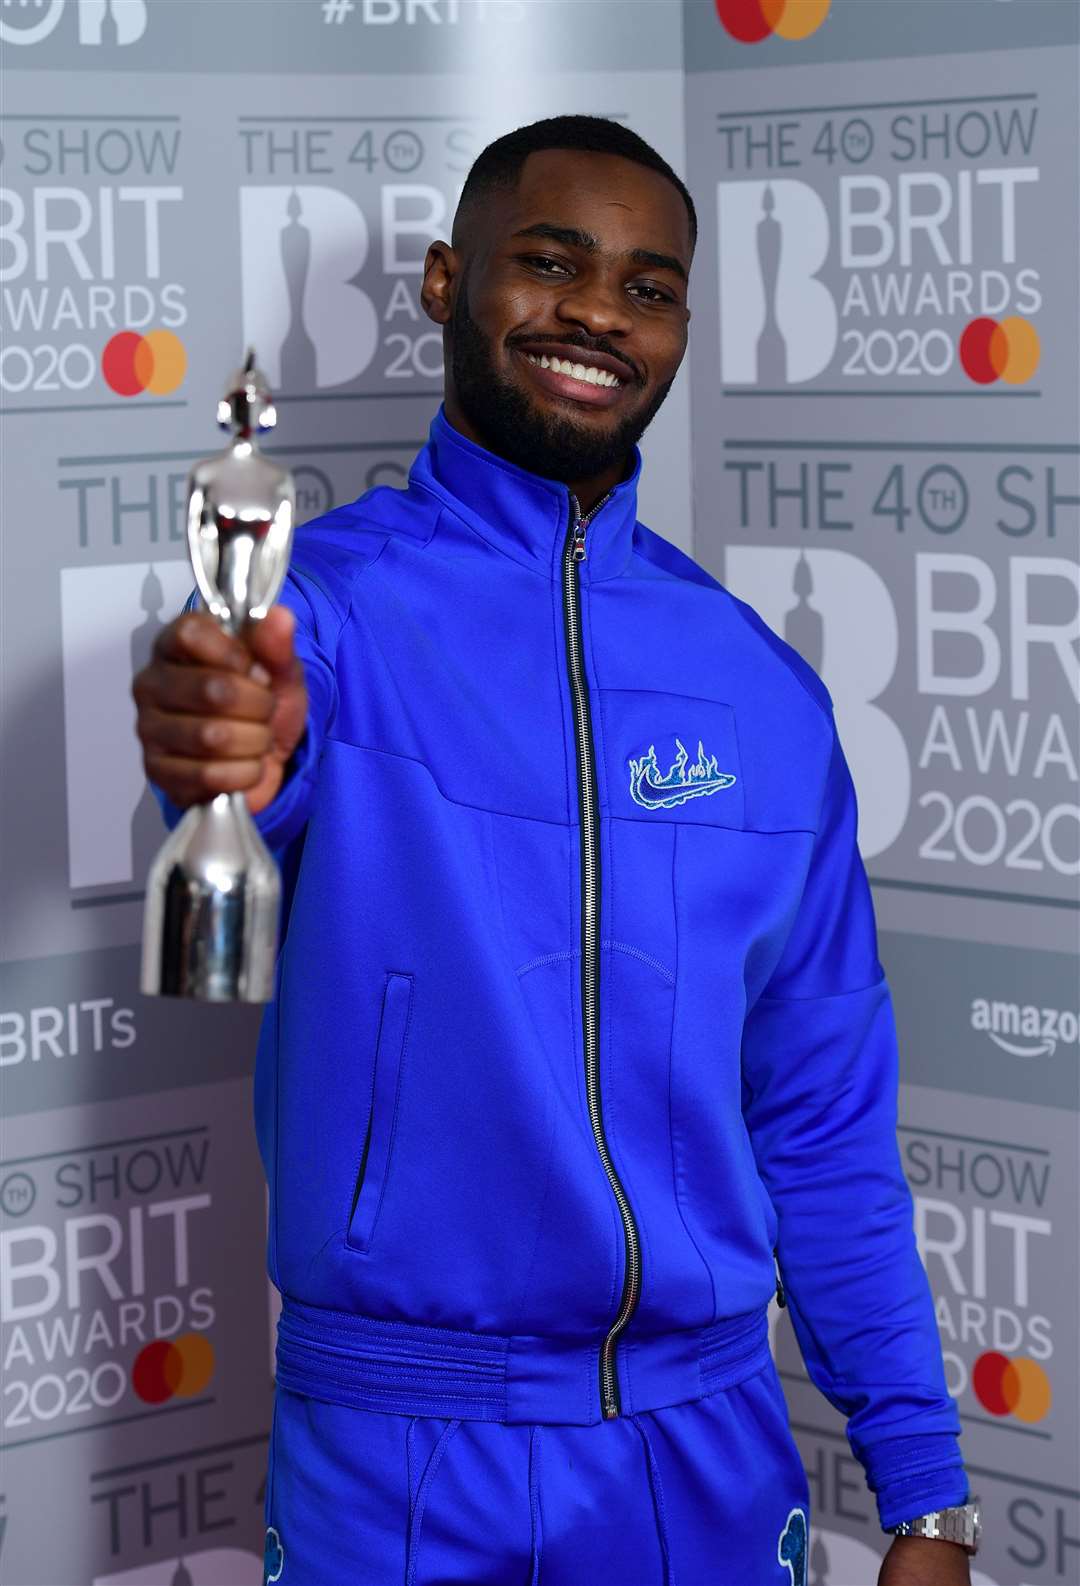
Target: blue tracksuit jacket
point(579, 1015)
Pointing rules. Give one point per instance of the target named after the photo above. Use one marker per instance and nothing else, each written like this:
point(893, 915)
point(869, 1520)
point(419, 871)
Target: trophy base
point(212, 901)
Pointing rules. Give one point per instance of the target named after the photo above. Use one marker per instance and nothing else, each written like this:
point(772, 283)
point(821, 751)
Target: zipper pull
point(578, 549)
point(781, 1297)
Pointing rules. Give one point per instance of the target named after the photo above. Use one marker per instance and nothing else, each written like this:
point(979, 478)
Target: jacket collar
point(522, 514)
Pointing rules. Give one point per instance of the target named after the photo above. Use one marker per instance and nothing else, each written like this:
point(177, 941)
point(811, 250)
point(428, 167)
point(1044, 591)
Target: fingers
point(203, 737)
point(218, 714)
point(270, 642)
point(193, 781)
point(202, 732)
point(197, 638)
point(202, 691)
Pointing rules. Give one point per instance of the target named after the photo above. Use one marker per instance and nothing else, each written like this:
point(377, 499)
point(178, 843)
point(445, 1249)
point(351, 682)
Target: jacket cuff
point(286, 813)
point(915, 1475)
point(171, 812)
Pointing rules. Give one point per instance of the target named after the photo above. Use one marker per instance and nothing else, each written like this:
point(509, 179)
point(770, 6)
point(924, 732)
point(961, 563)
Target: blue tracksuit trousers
point(706, 1493)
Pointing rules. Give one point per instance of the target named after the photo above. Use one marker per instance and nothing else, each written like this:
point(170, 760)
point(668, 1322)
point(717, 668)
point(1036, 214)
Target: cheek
point(666, 351)
point(511, 309)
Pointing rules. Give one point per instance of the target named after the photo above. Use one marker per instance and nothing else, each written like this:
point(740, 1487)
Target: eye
point(543, 262)
point(653, 293)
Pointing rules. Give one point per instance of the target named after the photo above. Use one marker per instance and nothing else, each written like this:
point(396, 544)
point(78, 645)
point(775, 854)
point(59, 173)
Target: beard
point(556, 446)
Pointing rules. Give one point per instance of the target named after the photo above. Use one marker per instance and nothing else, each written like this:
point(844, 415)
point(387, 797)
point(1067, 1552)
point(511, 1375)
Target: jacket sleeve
point(820, 1076)
point(318, 624)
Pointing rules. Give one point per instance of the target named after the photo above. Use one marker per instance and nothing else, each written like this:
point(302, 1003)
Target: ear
point(441, 267)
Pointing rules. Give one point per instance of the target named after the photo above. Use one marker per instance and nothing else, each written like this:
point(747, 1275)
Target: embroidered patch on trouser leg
point(792, 1547)
point(273, 1556)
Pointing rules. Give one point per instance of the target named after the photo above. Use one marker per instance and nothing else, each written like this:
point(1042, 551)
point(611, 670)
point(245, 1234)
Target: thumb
point(271, 644)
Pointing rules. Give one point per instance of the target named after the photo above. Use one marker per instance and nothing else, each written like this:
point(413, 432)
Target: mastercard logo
point(1005, 349)
point(1011, 1387)
point(173, 1368)
point(131, 364)
point(750, 21)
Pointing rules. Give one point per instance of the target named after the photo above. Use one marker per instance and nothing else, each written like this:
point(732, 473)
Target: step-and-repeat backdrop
point(885, 423)
point(874, 441)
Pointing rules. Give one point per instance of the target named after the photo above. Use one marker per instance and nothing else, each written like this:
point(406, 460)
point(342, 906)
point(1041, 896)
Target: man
point(579, 1020)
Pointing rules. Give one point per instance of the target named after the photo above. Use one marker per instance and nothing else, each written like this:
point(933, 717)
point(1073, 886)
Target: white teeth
point(588, 373)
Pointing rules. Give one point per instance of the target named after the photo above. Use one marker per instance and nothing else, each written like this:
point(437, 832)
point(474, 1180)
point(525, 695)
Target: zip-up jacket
point(580, 1034)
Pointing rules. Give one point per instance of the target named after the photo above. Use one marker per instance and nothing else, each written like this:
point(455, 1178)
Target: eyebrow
point(571, 237)
point(657, 261)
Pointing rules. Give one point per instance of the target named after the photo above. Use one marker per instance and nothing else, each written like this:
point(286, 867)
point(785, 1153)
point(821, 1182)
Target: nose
point(597, 304)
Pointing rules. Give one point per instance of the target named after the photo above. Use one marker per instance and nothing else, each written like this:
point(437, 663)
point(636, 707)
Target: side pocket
point(382, 1118)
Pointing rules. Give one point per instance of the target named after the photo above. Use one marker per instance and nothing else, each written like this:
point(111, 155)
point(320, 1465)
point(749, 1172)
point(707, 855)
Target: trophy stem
point(212, 902)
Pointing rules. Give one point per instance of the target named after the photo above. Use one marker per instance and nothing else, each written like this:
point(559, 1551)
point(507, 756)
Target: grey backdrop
point(865, 192)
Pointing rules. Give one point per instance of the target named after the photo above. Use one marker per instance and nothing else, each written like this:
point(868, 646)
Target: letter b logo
point(836, 610)
point(778, 322)
point(302, 249)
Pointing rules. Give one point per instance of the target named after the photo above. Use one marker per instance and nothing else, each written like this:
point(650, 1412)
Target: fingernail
point(259, 674)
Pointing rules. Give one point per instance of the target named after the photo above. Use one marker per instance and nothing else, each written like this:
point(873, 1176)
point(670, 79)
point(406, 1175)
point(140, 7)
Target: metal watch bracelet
point(961, 1524)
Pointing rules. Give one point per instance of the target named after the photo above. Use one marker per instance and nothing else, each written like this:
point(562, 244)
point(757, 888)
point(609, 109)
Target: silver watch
point(961, 1524)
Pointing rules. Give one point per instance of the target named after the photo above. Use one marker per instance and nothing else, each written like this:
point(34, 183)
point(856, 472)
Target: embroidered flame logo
point(653, 791)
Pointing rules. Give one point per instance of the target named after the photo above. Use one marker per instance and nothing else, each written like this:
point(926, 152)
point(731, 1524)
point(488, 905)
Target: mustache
point(582, 344)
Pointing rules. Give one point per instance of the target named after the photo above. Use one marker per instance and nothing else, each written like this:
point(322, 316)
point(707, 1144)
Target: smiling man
point(581, 1047)
point(562, 343)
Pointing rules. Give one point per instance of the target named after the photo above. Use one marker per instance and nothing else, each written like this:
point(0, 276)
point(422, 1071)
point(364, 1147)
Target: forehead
point(620, 202)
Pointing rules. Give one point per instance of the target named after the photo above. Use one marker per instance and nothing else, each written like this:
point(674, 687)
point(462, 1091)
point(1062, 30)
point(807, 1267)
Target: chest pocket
point(671, 757)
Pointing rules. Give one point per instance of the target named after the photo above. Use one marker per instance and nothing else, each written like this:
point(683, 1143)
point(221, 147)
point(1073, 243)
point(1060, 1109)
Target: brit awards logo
point(98, 21)
point(92, 238)
point(331, 263)
point(904, 258)
point(138, 1214)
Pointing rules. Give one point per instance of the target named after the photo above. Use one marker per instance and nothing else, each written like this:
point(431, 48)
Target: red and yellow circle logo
point(1006, 349)
point(1017, 1387)
point(131, 364)
point(173, 1368)
point(750, 21)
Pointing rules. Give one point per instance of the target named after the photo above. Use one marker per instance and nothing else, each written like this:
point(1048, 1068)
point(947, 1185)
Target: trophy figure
point(213, 892)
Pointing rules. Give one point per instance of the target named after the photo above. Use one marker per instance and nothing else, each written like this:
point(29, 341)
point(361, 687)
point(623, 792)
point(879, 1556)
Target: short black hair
point(499, 165)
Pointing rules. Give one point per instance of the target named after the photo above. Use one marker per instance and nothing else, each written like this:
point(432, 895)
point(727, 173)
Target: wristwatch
point(961, 1524)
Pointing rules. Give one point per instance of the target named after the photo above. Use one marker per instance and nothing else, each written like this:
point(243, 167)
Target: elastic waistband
point(413, 1370)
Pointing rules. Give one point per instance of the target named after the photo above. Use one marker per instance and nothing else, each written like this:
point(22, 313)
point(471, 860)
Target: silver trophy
point(213, 892)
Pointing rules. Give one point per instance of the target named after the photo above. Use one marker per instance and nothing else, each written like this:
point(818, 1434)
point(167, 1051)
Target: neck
point(589, 491)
